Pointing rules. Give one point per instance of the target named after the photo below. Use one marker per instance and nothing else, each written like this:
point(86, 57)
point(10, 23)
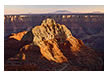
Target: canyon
point(50, 46)
point(87, 27)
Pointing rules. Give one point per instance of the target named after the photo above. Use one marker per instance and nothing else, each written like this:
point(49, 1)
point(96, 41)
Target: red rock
point(17, 36)
point(52, 47)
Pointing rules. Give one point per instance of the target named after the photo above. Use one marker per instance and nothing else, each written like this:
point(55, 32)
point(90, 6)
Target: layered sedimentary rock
point(55, 43)
point(82, 26)
point(48, 36)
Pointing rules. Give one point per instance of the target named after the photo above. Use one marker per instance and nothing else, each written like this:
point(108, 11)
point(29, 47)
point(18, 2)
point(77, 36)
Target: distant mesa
point(63, 12)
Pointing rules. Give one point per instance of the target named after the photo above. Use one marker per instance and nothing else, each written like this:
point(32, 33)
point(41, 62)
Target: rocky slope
point(51, 46)
point(82, 26)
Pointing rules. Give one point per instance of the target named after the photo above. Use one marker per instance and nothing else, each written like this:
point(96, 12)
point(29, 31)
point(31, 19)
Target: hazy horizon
point(44, 9)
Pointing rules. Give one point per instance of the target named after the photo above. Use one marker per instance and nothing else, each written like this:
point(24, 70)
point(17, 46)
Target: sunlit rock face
point(55, 43)
point(17, 36)
point(13, 44)
point(49, 29)
point(87, 27)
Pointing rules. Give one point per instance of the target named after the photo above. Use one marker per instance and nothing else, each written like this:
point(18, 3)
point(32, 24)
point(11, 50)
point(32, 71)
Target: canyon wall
point(89, 27)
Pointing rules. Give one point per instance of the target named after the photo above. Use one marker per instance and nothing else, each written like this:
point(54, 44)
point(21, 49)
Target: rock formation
point(88, 27)
point(17, 36)
point(56, 45)
point(13, 44)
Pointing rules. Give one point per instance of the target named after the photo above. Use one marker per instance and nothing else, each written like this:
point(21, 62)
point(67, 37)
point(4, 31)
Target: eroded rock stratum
point(55, 43)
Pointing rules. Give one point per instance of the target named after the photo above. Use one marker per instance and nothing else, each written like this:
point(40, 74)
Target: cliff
point(88, 27)
point(53, 44)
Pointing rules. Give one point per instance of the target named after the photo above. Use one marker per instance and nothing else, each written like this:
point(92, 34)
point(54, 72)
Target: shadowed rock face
point(88, 27)
point(55, 43)
point(49, 29)
point(13, 44)
point(48, 36)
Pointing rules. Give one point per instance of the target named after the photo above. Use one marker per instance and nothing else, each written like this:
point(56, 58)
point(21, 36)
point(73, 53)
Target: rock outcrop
point(13, 44)
point(55, 43)
point(17, 36)
point(83, 27)
point(48, 36)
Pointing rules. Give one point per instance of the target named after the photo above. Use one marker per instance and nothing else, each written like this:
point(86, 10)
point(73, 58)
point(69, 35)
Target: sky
point(40, 9)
